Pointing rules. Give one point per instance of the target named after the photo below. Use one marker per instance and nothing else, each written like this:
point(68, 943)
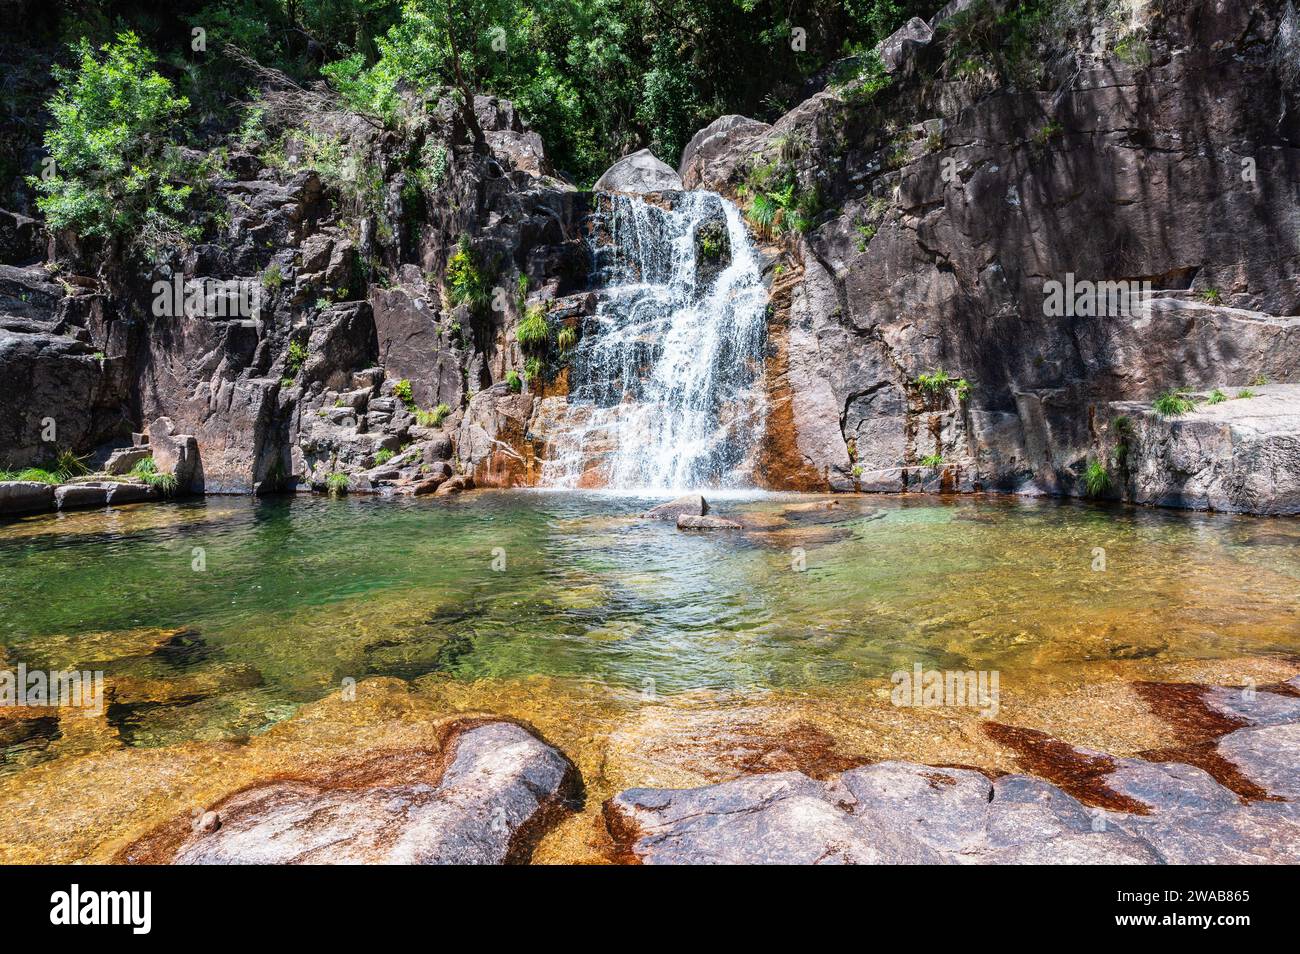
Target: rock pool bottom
point(230, 632)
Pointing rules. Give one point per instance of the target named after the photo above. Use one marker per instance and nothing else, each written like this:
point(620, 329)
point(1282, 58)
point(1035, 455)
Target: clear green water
point(299, 595)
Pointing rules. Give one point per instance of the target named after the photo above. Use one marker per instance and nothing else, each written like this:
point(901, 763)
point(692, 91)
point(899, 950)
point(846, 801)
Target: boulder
point(638, 173)
point(897, 49)
point(486, 798)
point(25, 496)
point(121, 460)
point(689, 522)
point(454, 485)
point(1241, 455)
point(176, 454)
point(428, 486)
point(726, 133)
point(687, 505)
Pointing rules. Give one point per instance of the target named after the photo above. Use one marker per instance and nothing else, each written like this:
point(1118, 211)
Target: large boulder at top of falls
point(639, 172)
point(499, 791)
point(723, 134)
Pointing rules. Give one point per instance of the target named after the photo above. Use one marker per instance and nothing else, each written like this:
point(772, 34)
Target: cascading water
point(665, 387)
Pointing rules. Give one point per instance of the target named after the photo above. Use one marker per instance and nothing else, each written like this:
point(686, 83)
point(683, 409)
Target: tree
point(115, 170)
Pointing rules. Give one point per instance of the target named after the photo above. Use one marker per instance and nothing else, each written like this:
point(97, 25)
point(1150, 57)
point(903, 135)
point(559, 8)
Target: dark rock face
point(500, 789)
point(944, 233)
point(415, 342)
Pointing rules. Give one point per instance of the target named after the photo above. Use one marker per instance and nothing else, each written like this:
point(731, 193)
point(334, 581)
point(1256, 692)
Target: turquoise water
point(295, 596)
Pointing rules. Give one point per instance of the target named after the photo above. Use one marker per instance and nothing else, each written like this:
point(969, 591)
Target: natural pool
point(651, 656)
point(292, 597)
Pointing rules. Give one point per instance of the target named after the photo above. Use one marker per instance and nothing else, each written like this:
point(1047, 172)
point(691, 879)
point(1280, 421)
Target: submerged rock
point(501, 788)
point(687, 505)
point(689, 522)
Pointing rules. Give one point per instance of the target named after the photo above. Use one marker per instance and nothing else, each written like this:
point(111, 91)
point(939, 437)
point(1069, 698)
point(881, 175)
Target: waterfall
point(665, 386)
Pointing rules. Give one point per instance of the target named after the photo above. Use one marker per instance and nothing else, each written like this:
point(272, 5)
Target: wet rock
point(687, 505)
point(454, 485)
point(25, 496)
point(500, 789)
point(690, 522)
point(428, 486)
point(638, 173)
point(77, 496)
point(778, 818)
point(1268, 756)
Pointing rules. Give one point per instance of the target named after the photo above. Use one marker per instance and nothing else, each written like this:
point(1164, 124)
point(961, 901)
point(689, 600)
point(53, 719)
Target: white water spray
point(666, 385)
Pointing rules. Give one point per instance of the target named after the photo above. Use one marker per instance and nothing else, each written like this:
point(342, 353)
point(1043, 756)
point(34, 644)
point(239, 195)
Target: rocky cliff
point(931, 204)
point(1158, 151)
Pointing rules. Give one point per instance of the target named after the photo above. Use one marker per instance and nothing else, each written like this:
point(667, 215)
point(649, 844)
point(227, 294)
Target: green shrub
point(402, 390)
point(273, 278)
point(1245, 393)
point(383, 457)
point(934, 382)
point(1174, 403)
point(432, 418)
point(117, 170)
point(513, 382)
point(567, 338)
point(1259, 381)
point(146, 470)
point(467, 283)
point(336, 484)
point(296, 358)
point(36, 474)
point(533, 369)
point(1096, 478)
point(932, 460)
point(1049, 131)
point(1211, 296)
point(534, 330)
point(1216, 397)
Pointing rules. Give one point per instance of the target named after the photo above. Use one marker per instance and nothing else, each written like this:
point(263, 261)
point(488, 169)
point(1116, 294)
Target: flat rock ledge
point(501, 788)
point(905, 813)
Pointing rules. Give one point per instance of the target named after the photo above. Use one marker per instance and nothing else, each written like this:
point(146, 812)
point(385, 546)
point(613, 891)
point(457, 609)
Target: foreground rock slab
point(500, 789)
point(688, 522)
point(905, 813)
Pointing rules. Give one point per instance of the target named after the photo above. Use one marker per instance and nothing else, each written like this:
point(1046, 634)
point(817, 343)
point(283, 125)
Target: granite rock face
point(942, 234)
point(1240, 455)
point(500, 788)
